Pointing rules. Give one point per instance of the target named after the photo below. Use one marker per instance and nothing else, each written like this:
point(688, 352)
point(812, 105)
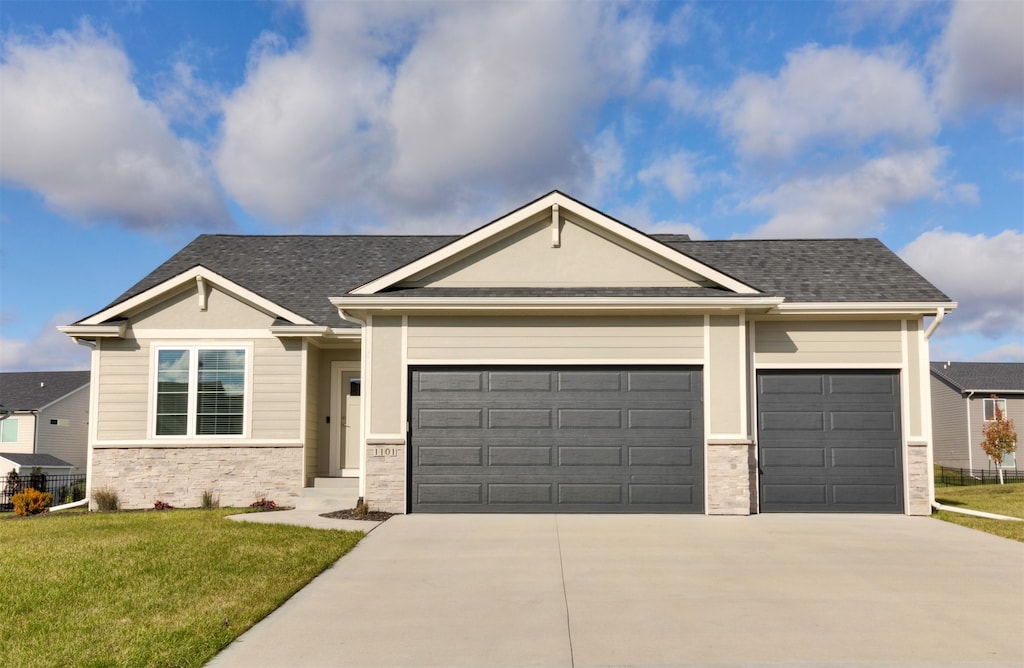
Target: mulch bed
point(351, 514)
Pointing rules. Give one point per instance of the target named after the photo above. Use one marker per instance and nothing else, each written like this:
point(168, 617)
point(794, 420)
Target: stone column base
point(732, 477)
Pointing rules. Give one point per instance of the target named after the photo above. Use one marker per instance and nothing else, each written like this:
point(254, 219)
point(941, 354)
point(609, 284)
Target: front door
point(346, 398)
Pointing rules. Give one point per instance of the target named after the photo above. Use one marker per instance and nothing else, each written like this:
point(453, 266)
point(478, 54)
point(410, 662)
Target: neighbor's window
point(9, 430)
point(200, 391)
point(1009, 461)
point(990, 408)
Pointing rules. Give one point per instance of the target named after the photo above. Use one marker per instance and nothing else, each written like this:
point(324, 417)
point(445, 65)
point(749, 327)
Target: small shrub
point(31, 502)
point(161, 505)
point(209, 500)
point(75, 492)
point(263, 503)
point(362, 510)
point(106, 499)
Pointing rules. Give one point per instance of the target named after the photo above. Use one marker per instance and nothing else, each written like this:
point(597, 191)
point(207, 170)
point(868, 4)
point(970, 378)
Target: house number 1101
point(384, 452)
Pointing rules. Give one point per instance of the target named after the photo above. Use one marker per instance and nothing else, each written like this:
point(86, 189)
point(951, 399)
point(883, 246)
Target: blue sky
point(126, 129)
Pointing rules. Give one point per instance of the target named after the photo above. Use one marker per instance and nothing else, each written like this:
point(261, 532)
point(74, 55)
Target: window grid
point(200, 391)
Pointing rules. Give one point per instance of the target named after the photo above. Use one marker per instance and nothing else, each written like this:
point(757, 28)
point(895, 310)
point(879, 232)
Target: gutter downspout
point(363, 413)
point(970, 436)
point(73, 504)
point(974, 513)
point(940, 314)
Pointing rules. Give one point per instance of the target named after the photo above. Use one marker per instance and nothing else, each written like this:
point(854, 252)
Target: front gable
point(555, 242)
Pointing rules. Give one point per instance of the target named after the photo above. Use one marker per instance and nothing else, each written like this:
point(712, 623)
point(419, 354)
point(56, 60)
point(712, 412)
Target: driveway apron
point(644, 590)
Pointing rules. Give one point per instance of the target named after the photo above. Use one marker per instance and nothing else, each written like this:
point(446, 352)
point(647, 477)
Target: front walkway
point(584, 590)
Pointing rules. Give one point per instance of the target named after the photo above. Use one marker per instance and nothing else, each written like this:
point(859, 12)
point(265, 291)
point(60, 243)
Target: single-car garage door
point(565, 439)
point(830, 441)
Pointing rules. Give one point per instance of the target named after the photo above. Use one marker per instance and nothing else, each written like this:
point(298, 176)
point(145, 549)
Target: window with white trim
point(989, 406)
point(200, 391)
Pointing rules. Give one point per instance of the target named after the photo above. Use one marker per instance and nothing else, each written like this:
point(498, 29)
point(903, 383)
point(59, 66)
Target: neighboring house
point(553, 360)
point(49, 415)
point(962, 403)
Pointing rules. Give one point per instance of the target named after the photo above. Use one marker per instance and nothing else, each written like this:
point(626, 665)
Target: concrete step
point(336, 483)
point(329, 498)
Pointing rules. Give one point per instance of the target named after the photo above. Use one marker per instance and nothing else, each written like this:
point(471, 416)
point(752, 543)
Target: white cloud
point(890, 14)
point(967, 193)
point(1010, 352)
point(414, 108)
point(836, 96)
point(984, 274)
point(852, 203)
point(47, 350)
point(981, 58)
point(676, 173)
point(76, 130)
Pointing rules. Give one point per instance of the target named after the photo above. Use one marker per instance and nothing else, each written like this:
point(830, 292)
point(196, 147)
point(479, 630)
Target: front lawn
point(167, 588)
point(999, 499)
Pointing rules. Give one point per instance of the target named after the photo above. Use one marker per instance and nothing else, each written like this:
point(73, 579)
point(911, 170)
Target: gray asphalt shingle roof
point(31, 390)
point(301, 272)
point(33, 459)
point(982, 376)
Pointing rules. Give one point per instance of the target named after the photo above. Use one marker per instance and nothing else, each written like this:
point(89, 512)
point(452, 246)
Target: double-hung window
point(990, 405)
point(200, 391)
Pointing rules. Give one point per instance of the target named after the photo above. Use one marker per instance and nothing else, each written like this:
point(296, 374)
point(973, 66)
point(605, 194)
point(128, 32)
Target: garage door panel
point(870, 458)
point(812, 457)
point(792, 421)
point(853, 463)
point(448, 418)
point(598, 440)
point(589, 381)
point(530, 494)
point(663, 456)
point(519, 381)
point(661, 495)
point(468, 381)
point(862, 384)
point(519, 455)
point(450, 456)
point(864, 421)
point(518, 418)
point(794, 496)
point(659, 381)
point(590, 494)
point(866, 495)
point(583, 418)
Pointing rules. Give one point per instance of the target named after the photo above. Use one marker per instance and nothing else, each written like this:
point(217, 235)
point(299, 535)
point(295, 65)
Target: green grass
point(169, 588)
point(999, 499)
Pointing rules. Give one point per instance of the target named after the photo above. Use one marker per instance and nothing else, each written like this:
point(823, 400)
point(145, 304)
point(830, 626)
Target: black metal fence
point(65, 488)
point(963, 477)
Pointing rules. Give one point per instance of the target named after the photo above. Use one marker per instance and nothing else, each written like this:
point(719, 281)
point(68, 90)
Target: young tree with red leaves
point(1000, 437)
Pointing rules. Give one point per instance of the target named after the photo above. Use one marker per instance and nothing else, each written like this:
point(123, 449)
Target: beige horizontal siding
point(123, 387)
point(828, 342)
point(276, 388)
point(556, 337)
point(181, 311)
point(26, 435)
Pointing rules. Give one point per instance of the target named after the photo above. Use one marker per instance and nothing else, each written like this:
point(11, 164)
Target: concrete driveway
point(591, 590)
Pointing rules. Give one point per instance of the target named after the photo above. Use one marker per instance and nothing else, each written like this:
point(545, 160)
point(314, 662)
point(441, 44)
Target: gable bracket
point(201, 292)
point(556, 231)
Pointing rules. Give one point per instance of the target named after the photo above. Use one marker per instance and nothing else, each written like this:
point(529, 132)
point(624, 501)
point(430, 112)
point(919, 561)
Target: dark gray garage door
point(565, 439)
point(830, 441)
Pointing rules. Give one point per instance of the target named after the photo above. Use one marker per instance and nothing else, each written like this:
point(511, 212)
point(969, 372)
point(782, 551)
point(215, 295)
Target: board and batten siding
point(68, 439)
point(556, 338)
point(125, 394)
point(829, 343)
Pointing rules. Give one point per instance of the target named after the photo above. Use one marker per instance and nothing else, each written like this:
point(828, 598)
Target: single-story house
point(23, 464)
point(962, 403)
point(47, 414)
point(552, 360)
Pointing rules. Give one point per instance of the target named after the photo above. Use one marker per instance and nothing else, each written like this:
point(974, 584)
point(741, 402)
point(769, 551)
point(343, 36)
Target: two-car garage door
point(557, 439)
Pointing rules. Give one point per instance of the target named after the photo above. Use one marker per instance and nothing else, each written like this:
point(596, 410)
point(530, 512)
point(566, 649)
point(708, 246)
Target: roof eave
point(863, 308)
point(541, 304)
point(109, 330)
